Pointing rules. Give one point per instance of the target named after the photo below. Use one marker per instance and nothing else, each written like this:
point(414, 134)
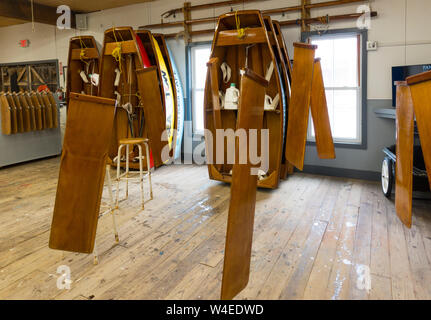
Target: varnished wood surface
point(155, 120)
point(239, 235)
point(404, 150)
point(6, 115)
point(258, 58)
point(319, 113)
point(80, 181)
point(299, 105)
point(310, 236)
point(421, 96)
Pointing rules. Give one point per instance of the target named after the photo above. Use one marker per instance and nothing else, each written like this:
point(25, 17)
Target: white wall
point(401, 29)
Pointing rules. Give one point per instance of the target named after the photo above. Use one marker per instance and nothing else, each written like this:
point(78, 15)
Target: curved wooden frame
point(88, 47)
point(227, 46)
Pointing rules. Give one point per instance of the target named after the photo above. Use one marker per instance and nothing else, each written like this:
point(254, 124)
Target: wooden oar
point(243, 191)
point(299, 105)
point(420, 86)
point(404, 163)
point(319, 113)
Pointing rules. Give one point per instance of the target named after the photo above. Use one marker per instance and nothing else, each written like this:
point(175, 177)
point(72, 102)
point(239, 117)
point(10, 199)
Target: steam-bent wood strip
point(404, 163)
point(6, 115)
point(36, 111)
point(40, 111)
point(15, 122)
point(54, 109)
point(30, 111)
point(24, 114)
point(48, 111)
point(243, 191)
point(82, 173)
point(155, 121)
point(319, 113)
point(299, 105)
point(420, 86)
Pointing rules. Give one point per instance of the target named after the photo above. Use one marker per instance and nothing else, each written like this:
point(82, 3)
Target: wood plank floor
point(315, 238)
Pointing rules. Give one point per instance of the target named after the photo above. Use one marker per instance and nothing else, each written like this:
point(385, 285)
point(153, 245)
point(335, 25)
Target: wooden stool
point(125, 176)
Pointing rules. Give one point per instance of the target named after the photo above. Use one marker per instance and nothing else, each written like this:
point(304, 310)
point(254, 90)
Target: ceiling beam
point(21, 9)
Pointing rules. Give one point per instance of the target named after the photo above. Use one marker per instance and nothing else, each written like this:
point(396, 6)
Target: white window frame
point(194, 87)
point(359, 109)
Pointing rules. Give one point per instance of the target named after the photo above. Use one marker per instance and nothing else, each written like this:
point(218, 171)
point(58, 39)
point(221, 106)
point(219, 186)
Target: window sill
point(353, 146)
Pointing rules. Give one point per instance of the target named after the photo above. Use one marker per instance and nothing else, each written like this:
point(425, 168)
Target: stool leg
point(127, 171)
point(149, 170)
point(111, 196)
point(118, 175)
point(141, 177)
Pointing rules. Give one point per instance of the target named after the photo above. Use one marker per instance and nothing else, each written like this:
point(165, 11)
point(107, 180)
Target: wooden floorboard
point(315, 238)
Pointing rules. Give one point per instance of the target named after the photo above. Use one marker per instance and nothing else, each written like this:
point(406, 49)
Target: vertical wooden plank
point(299, 105)
point(243, 191)
point(319, 113)
point(420, 87)
point(404, 164)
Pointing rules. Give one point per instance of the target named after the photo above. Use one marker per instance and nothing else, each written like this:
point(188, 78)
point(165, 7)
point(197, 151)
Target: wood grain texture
point(421, 97)
point(83, 56)
point(239, 234)
point(404, 150)
point(155, 120)
point(6, 115)
point(54, 108)
point(16, 128)
point(299, 105)
point(30, 111)
point(179, 254)
point(82, 173)
point(319, 113)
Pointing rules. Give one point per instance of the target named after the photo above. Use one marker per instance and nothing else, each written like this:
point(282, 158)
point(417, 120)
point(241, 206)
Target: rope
point(32, 17)
point(241, 31)
point(82, 53)
point(116, 53)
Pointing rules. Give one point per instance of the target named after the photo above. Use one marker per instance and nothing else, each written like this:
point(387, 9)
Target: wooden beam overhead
point(21, 10)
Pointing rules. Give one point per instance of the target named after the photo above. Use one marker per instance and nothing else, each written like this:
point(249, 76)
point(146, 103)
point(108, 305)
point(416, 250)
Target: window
point(199, 55)
point(341, 67)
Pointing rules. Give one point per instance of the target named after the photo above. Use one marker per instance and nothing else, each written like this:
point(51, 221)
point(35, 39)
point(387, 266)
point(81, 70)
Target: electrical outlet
point(371, 45)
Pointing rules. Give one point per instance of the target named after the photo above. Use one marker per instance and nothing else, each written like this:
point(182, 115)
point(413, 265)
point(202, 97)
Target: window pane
point(346, 62)
point(200, 59)
point(325, 51)
point(345, 114)
point(198, 109)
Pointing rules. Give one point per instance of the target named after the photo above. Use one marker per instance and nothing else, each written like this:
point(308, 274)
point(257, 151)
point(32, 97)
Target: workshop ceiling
point(80, 6)
point(89, 6)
